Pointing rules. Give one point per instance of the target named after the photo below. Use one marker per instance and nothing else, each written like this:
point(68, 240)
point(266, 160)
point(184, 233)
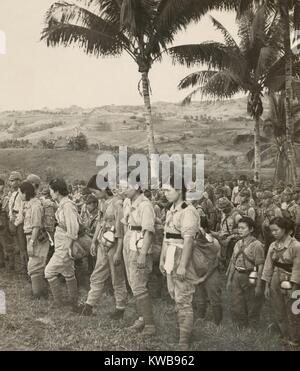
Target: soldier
point(235, 197)
point(228, 233)
point(138, 246)
point(78, 197)
point(6, 240)
point(247, 257)
point(245, 208)
point(269, 211)
point(176, 262)
point(288, 205)
point(282, 275)
point(107, 244)
point(66, 233)
point(37, 241)
point(210, 289)
point(35, 180)
point(16, 219)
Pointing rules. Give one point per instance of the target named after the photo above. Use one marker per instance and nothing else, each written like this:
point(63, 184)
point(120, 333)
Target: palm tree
point(141, 28)
point(289, 10)
point(232, 68)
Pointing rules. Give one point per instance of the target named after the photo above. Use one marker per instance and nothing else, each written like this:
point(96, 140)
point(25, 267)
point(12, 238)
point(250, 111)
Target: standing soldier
point(107, 244)
point(210, 289)
point(289, 205)
point(6, 240)
point(66, 233)
point(235, 197)
point(245, 208)
point(16, 219)
point(228, 233)
point(247, 257)
point(176, 262)
point(138, 245)
point(269, 212)
point(37, 241)
point(282, 275)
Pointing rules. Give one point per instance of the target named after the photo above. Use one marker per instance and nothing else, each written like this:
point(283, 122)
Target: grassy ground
point(30, 325)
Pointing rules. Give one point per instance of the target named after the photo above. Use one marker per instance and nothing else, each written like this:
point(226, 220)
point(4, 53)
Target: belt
point(15, 212)
point(285, 266)
point(175, 236)
point(242, 270)
point(135, 228)
point(28, 233)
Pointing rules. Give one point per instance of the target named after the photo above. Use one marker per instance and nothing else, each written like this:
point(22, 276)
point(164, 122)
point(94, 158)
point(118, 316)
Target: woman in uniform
point(182, 225)
point(246, 294)
point(37, 240)
point(282, 275)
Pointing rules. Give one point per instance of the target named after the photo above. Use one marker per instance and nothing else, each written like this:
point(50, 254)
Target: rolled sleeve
point(71, 220)
point(189, 224)
point(148, 218)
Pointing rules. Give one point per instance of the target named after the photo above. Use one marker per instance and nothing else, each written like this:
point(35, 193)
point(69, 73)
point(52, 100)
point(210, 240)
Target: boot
point(217, 314)
point(138, 325)
point(11, 262)
point(117, 314)
point(56, 291)
point(186, 322)
point(38, 286)
point(145, 305)
point(85, 310)
point(73, 292)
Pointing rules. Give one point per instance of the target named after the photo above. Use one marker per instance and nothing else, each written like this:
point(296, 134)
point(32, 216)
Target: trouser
point(139, 278)
point(209, 291)
point(105, 269)
point(182, 292)
point(126, 255)
point(6, 249)
point(245, 306)
point(37, 262)
point(20, 240)
point(284, 306)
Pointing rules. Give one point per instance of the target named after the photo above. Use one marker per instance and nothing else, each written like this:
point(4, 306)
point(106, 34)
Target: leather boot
point(186, 322)
point(217, 314)
point(56, 290)
point(73, 291)
point(145, 305)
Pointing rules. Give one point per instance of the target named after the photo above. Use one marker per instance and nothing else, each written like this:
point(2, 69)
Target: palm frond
point(196, 78)
point(229, 40)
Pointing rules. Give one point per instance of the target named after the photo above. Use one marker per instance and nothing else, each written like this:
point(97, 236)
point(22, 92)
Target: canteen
point(108, 237)
point(253, 277)
point(286, 285)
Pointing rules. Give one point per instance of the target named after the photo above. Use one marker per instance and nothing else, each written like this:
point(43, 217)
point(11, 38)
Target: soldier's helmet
point(223, 203)
point(15, 175)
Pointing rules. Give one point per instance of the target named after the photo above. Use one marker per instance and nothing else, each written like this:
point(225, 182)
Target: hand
point(162, 268)
point(30, 249)
point(267, 293)
point(181, 272)
point(93, 249)
point(141, 261)
point(117, 259)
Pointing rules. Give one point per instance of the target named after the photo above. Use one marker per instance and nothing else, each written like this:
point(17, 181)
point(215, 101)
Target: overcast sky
point(34, 76)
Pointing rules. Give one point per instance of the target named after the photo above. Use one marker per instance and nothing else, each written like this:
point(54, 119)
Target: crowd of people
point(240, 236)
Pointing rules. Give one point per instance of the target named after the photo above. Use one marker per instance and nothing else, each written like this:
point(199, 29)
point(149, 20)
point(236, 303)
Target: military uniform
point(105, 266)
point(182, 221)
point(140, 218)
point(268, 213)
point(283, 264)
point(246, 209)
point(62, 261)
point(6, 239)
point(33, 218)
point(245, 306)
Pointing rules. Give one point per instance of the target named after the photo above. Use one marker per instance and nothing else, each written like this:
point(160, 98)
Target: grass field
point(30, 325)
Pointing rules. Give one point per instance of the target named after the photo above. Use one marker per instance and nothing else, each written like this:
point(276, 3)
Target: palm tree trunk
point(149, 123)
point(257, 159)
point(290, 150)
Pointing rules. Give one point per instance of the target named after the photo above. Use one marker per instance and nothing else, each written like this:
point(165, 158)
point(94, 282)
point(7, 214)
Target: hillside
point(202, 127)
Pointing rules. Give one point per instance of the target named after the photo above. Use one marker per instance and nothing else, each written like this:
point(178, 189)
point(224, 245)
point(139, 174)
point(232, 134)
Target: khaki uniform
point(6, 239)
point(142, 216)
point(268, 214)
point(290, 211)
point(181, 221)
point(246, 209)
point(283, 263)
point(245, 306)
point(16, 220)
point(105, 267)
point(67, 229)
point(33, 218)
